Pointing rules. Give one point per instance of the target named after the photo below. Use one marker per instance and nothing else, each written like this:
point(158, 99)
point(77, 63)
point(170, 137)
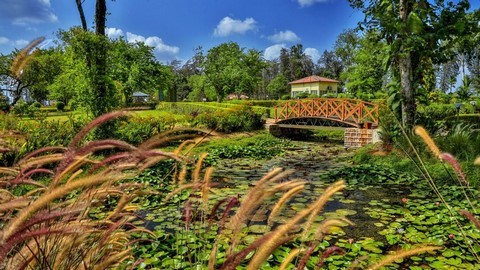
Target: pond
point(387, 216)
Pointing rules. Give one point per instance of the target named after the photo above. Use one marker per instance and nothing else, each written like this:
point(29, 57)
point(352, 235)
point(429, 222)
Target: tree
point(278, 86)
point(42, 71)
point(365, 75)
point(345, 46)
point(415, 31)
point(446, 74)
point(230, 70)
point(14, 71)
point(132, 67)
point(295, 64)
point(200, 88)
point(93, 49)
point(329, 65)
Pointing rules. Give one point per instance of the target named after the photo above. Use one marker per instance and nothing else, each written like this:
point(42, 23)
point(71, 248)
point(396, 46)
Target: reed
point(50, 225)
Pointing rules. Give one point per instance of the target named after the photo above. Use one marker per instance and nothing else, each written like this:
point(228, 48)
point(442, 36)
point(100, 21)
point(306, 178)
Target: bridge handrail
point(346, 110)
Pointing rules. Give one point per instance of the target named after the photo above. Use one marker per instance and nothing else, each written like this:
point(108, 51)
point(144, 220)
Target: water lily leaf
point(259, 229)
point(346, 212)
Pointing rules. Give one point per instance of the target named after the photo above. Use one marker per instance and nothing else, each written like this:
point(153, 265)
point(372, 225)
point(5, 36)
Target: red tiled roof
point(312, 79)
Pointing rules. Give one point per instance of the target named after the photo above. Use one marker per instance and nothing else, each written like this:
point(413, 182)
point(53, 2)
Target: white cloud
point(228, 26)
point(20, 43)
point(306, 3)
point(313, 53)
point(155, 42)
point(27, 12)
point(273, 52)
point(114, 33)
point(284, 36)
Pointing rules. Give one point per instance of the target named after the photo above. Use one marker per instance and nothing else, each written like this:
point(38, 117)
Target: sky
point(176, 27)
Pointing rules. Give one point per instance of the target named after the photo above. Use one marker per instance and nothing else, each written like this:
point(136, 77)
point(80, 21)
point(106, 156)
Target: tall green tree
point(365, 76)
point(278, 86)
point(133, 67)
point(93, 49)
point(229, 69)
point(330, 65)
point(415, 31)
point(295, 64)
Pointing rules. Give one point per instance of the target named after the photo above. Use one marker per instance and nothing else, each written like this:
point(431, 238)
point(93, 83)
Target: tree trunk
point(407, 91)
point(82, 15)
point(406, 72)
point(100, 17)
point(100, 60)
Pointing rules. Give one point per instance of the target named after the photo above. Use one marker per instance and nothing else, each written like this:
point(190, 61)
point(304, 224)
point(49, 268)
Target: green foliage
point(230, 69)
point(135, 130)
point(433, 117)
point(285, 97)
point(261, 146)
point(303, 95)
point(4, 104)
point(60, 106)
point(366, 174)
point(278, 86)
point(23, 109)
point(365, 76)
point(240, 118)
point(471, 120)
point(36, 104)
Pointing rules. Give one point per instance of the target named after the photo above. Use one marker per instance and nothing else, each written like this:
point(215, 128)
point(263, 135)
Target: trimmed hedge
point(469, 119)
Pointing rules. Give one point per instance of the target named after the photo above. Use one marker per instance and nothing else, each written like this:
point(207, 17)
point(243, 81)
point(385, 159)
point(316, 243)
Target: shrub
point(472, 120)
point(285, 97)
point(137, 129)
point(36, 104)
point(240, 118)
point(4, 103)
point(60, 106)
point(432, 117)
point(21, 108)
point(303, 95)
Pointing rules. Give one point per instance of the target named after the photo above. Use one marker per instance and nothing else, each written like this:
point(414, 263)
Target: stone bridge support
point(358, 137)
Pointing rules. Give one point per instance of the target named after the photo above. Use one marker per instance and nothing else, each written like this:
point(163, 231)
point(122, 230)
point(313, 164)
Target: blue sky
point(176, 27)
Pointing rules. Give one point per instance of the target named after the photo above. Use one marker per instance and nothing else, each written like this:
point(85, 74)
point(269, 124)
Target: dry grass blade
point(23, 57)
point(420, 131)
point(287, 196)
point(294, 253)
point(269, 246)
point(402, 254)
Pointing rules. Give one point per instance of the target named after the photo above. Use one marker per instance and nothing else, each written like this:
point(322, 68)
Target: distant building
point(139, 97)
point(314, 85)
point(234, 96)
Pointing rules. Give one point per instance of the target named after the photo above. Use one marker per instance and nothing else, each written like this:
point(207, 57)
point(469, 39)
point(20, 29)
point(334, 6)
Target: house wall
point(317, 88)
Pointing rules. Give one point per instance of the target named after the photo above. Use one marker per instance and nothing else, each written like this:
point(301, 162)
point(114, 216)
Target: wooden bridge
point(309, 113)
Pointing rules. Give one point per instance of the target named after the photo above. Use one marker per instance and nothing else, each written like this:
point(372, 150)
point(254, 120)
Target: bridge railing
point(350, 111)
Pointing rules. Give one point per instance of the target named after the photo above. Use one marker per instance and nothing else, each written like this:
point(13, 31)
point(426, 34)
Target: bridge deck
point(351, 112)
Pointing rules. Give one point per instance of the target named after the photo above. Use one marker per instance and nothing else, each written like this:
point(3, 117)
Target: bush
point(473, 120)
point(36, 104)
point(60, 106)
point(23, 109)
point(241, 118)
point(4, 104)
point(432, 117)
point(303, 95)
point(285, 97)
point(135, 130)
